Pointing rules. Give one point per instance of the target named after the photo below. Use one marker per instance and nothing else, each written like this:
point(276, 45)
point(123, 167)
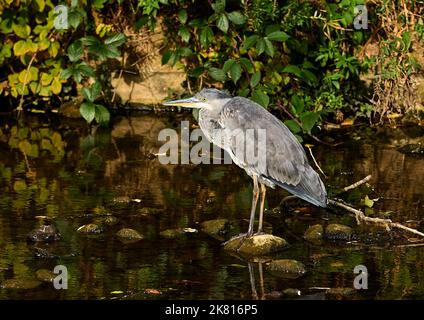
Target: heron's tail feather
point(310, 188)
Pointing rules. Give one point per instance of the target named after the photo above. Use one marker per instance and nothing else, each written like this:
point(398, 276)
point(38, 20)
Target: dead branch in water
point(357, 184)
point(361, 217)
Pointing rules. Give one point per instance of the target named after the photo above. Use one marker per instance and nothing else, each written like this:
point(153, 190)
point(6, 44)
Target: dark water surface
point(60, 170)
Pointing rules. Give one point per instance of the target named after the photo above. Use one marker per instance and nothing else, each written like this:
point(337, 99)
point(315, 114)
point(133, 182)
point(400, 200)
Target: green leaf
point(269, 48)
point(368, 202)
point(247, 64)
point(116, 40)
point(227, 65)
point(184, 33)
point(261, 98)
point(182, 16)
point(56, 86)
point(217, 74)
point(166, 56)
point(86, 70)
point(256, 78)
point(222, 23)
point(250, 41)
point(206, 36)
point(260, 46)
point(102, 114)
point(92, 93)
point(293, 126)
point(235, 72)
point(278, 36)
point(308, 120)
point(88, 111)
point(236, 17)
point(297, 103)
point(20, 48)
point(22, 30)
point(65, 74)
point(293, 69)
point(219, 6)
point(75, 51)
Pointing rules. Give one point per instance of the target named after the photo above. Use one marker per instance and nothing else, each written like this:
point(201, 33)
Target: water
point(75, 177)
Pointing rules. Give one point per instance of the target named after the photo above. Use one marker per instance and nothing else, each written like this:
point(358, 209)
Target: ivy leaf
point(182, 16)
point(88, 111)
point(269, 48)
point(222, 23)
point(75, 51)
point(278, 36)
point(308, 120)
point(261, 98)
point(256, 78)
point(86, 70)
point(293, 69)
point(217, 74)
point(236, 17)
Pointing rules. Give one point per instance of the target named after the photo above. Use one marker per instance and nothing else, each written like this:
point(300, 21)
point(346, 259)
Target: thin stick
point(315, 161)
point(358, 183)
point(21, 102)
point(360, 216)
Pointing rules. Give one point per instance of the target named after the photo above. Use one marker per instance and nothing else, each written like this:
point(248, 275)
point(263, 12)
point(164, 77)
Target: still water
point(74, 176)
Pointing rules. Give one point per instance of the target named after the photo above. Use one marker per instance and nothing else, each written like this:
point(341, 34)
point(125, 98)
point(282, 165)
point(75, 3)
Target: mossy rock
point(216, 227)
point(23, 284)
point(129, 235)
point(314, 233)
point(336, 231)
point(45, 275)
point(44, 233)
point(177, 233)
point(90, 228)
point(287, 268)
point(340, 293)
point(257, 245)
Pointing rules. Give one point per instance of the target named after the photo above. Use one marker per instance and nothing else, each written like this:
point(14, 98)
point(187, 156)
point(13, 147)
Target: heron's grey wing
point(286, 161)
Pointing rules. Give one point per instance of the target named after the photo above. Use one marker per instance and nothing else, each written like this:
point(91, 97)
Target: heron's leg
point(261, 209)
point(254, 203)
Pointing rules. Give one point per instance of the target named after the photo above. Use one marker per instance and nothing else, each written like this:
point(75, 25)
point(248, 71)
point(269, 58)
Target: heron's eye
point(203, 99)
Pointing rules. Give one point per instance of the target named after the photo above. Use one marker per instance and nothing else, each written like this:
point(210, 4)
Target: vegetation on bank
point(309, 61)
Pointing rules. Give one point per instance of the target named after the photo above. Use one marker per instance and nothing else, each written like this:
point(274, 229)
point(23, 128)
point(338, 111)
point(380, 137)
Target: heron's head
point(207, 98)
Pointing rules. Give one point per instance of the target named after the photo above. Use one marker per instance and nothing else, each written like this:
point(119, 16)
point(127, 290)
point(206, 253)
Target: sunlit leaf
point(88, 111)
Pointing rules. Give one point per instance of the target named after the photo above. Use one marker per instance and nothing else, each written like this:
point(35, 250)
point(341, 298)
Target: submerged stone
point(129, 235)
point(44, 233)
point(340, 293)
point(314, 233)
point(23, 284)
point(45, 275)
point(338, 232)
point(256, 245)
point(176, 233)
point(217, 227)
point(90, 228)
point(287, 268)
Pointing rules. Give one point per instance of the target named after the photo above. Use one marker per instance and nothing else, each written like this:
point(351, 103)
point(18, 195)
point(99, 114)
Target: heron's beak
point(192, 102)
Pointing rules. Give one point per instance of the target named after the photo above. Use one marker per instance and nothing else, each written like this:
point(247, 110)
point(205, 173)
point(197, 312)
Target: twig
point(360, 216)
point(358, 183)
point(21, 102)
point(316, 163)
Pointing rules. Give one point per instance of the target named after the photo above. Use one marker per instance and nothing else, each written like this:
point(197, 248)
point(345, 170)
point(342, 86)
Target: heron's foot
point(259, 233)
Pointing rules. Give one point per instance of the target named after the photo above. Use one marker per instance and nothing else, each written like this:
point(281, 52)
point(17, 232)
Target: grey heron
point(286, 164)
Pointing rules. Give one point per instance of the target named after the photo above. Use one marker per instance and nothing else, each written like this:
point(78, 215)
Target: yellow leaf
point(20, 48)
point(368, 202)
point(56, 86)
point(22, 31)
point(46, 79)
point(394, 115)
point(54, 49)
point(43, 44)
point(25, 146)
point(348, 122)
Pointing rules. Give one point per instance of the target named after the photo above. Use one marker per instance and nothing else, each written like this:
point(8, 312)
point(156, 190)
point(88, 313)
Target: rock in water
point(338, 232)
point(129, 235)
point(45, 275)
point(287, 268)
point(90, 228)
point(314, 233)
point(257, 245)
point(23, 284)
point(216, 228)
point(44, 233)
